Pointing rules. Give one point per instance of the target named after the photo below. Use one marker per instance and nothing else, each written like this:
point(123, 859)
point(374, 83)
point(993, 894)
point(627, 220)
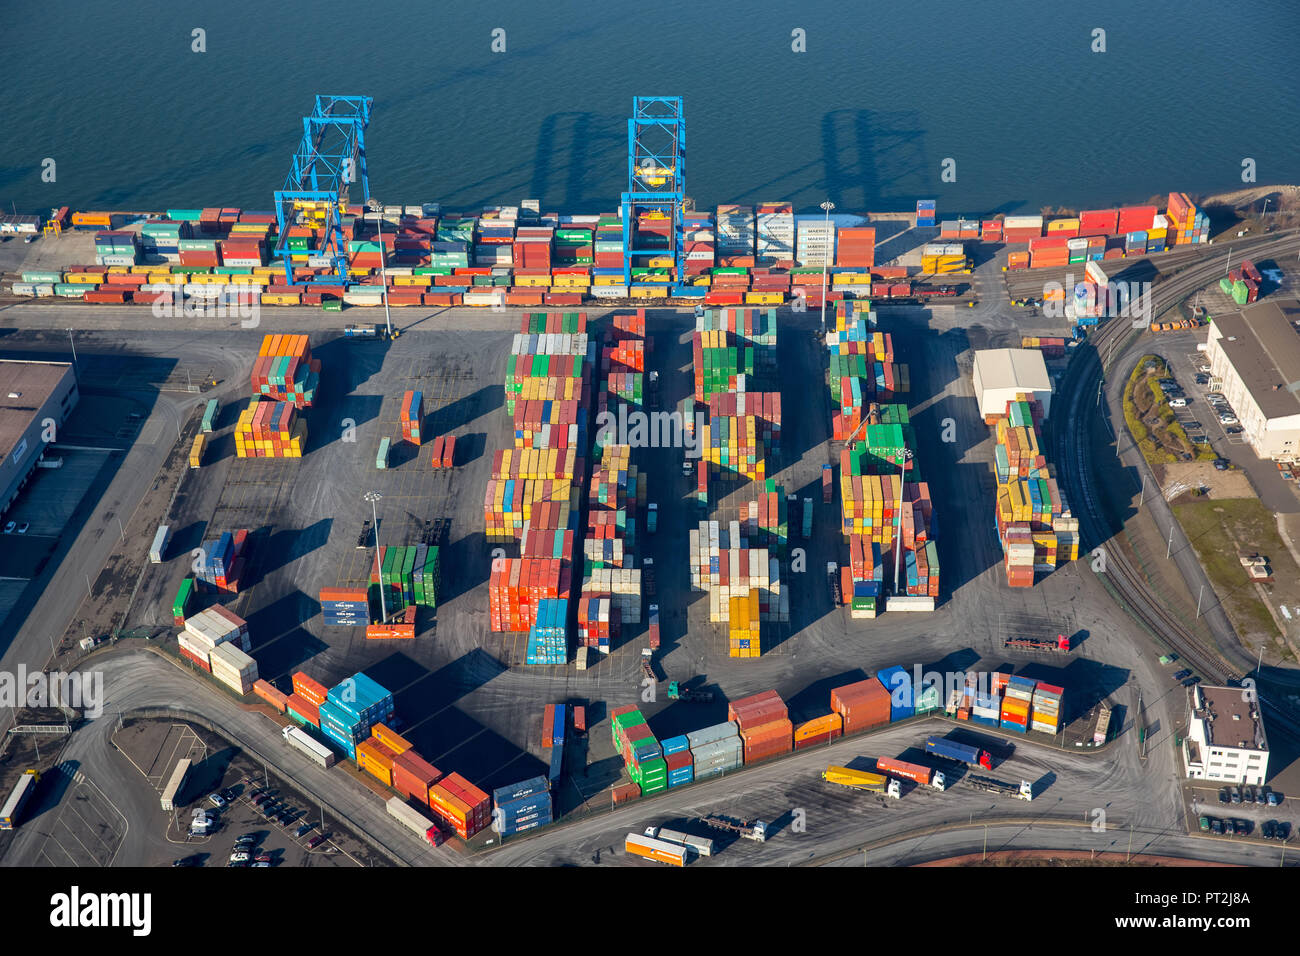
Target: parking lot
point(87, 830)
point(1250, 816)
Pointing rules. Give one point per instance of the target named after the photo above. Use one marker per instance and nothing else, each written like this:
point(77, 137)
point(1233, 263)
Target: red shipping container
point(306, 687)
point(413, 776)
point(449, 452)
point(304, 708)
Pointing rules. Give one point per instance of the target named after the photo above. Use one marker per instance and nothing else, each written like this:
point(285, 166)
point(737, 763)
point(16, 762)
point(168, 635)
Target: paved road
point(140, 679)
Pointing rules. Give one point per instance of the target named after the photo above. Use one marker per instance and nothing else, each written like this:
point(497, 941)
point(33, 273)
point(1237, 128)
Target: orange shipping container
point(390, 739)
point(306, 687)
point(832, 723)
point(377, 760)
point(277, 699)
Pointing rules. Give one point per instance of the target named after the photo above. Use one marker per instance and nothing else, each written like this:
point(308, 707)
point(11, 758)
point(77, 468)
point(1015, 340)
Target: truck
point(653, 391)
point(162, 537)
point(866, 782)
point(414, 820)
point(316, 752)
point(1001, 788)
point(209, 415)
point(647, 669)
point(677, 692)
point(1103, 725)
point(701, 846)
point(828, 476)
point(833, 582)
point(661, 851)
point(175, 783)
point(18, 797)
point(648, 578)
point(755, 830)
point(197, 449)
point(925, 776)
point(654, 627)
point(1061, 643)
point(652, 517)
point(962, 753)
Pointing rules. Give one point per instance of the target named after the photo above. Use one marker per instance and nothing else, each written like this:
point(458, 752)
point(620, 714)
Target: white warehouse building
point(1255, 353)
point(1225, 736)
point(1002, 374)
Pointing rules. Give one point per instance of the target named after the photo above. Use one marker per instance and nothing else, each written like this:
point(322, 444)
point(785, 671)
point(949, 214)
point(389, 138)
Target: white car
point(239, 857)
point(1227, 419)
point(217, 800)
point(1203, 368)
point(1177, 403)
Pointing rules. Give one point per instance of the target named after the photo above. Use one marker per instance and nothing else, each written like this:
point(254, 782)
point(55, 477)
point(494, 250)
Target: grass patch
point(1217, 528)
point(1151, 421)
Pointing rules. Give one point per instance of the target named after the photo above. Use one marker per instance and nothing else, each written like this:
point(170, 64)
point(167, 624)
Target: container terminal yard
point(654, 536)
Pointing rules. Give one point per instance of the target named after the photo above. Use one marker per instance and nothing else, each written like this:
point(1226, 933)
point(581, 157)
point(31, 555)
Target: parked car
point(1199, 440)
point(1223, 795)
point(1202, 380)
point(9, 528)
point(263, 858)
point(1243, 827)
point(1177, 403)
point(1222, 464)
point(1205, 824)
point(1283, 831)
point(1273, 798)
point(303, 829)
point(1226, 419)
point(1268, 829)
point(217, 800)
point(1248, 795)
point(239, 856)
point(1182, 674)
point(1203, 368)
point(22, 528)
point(1235, 794)
point(315, 841)
point(1216, 826)
point(1233, 430)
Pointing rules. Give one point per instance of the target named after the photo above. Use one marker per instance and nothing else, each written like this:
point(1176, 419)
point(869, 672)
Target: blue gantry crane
point(656, 179)
point(330, 157)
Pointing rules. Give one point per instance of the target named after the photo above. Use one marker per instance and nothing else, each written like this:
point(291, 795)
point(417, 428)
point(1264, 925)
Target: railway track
point(1111, 344)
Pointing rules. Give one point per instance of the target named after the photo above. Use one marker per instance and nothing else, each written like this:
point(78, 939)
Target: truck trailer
point(661, 851)
point(925, 776)
point(1025, 791)
point(860, 780)
point(962, 753)
point(317, 753)
point(701, 846)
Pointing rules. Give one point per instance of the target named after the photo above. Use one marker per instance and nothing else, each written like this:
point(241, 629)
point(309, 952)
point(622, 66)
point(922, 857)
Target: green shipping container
point(183, 597)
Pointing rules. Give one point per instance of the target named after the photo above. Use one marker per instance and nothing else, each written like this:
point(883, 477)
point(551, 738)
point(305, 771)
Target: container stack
point(1016, 702)
point(285, 371)
point(548, 636)
point(516, 585)
point(898, 684)
point(413, 776)
point(522, 806)
point(345, 607)
point(411, 575)
point(616, 498)
point(270, 429)
point(776, 235)
point(411, 414)
point(716, 749)
point(736, 233)
point(221, 567)
point(639, 749)
point(278, 700)
point(463, 805)
point(1022, 228)
point(1185, 223)
point(737, 578)
point(351, 709)
point(818, 731)
point(944, 258)
point(117, 249)
point(305, 701)
point(856, 247)
point(233, 667)
point(742, 431)
point(863, 705)
point(209, 629)
point(599, 622)
point(1038, 532)
point(862, 368)
point(764, 725)
point(181, 603)
point(700, 246)
point(814, 242)
point(1047, 705)
point(925, 213)
point(766, 520)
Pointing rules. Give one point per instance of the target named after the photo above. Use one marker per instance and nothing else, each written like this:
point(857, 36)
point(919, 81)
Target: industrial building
point(1002, 374)
point(32, 396)
point(1225, 736)
point(1255, 353)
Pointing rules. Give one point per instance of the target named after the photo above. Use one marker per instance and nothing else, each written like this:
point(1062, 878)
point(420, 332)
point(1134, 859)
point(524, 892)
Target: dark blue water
point(884, 93)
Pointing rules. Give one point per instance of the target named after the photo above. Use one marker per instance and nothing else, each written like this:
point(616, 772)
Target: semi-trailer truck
point(1025, 791)
point(962, 753)
point(661, 851)
point(702, 846)
point(925, 776)
point(860, 780)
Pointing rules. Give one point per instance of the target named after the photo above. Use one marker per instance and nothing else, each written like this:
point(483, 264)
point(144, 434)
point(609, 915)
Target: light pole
point(74, 347)
point(1198, 602)
point(372, 497)
point(828, 206)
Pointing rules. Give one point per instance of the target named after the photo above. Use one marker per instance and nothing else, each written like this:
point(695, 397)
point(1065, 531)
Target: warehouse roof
point(1264, 349)
point(1023, 369)
point(1232, 720)
point(24, 387)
